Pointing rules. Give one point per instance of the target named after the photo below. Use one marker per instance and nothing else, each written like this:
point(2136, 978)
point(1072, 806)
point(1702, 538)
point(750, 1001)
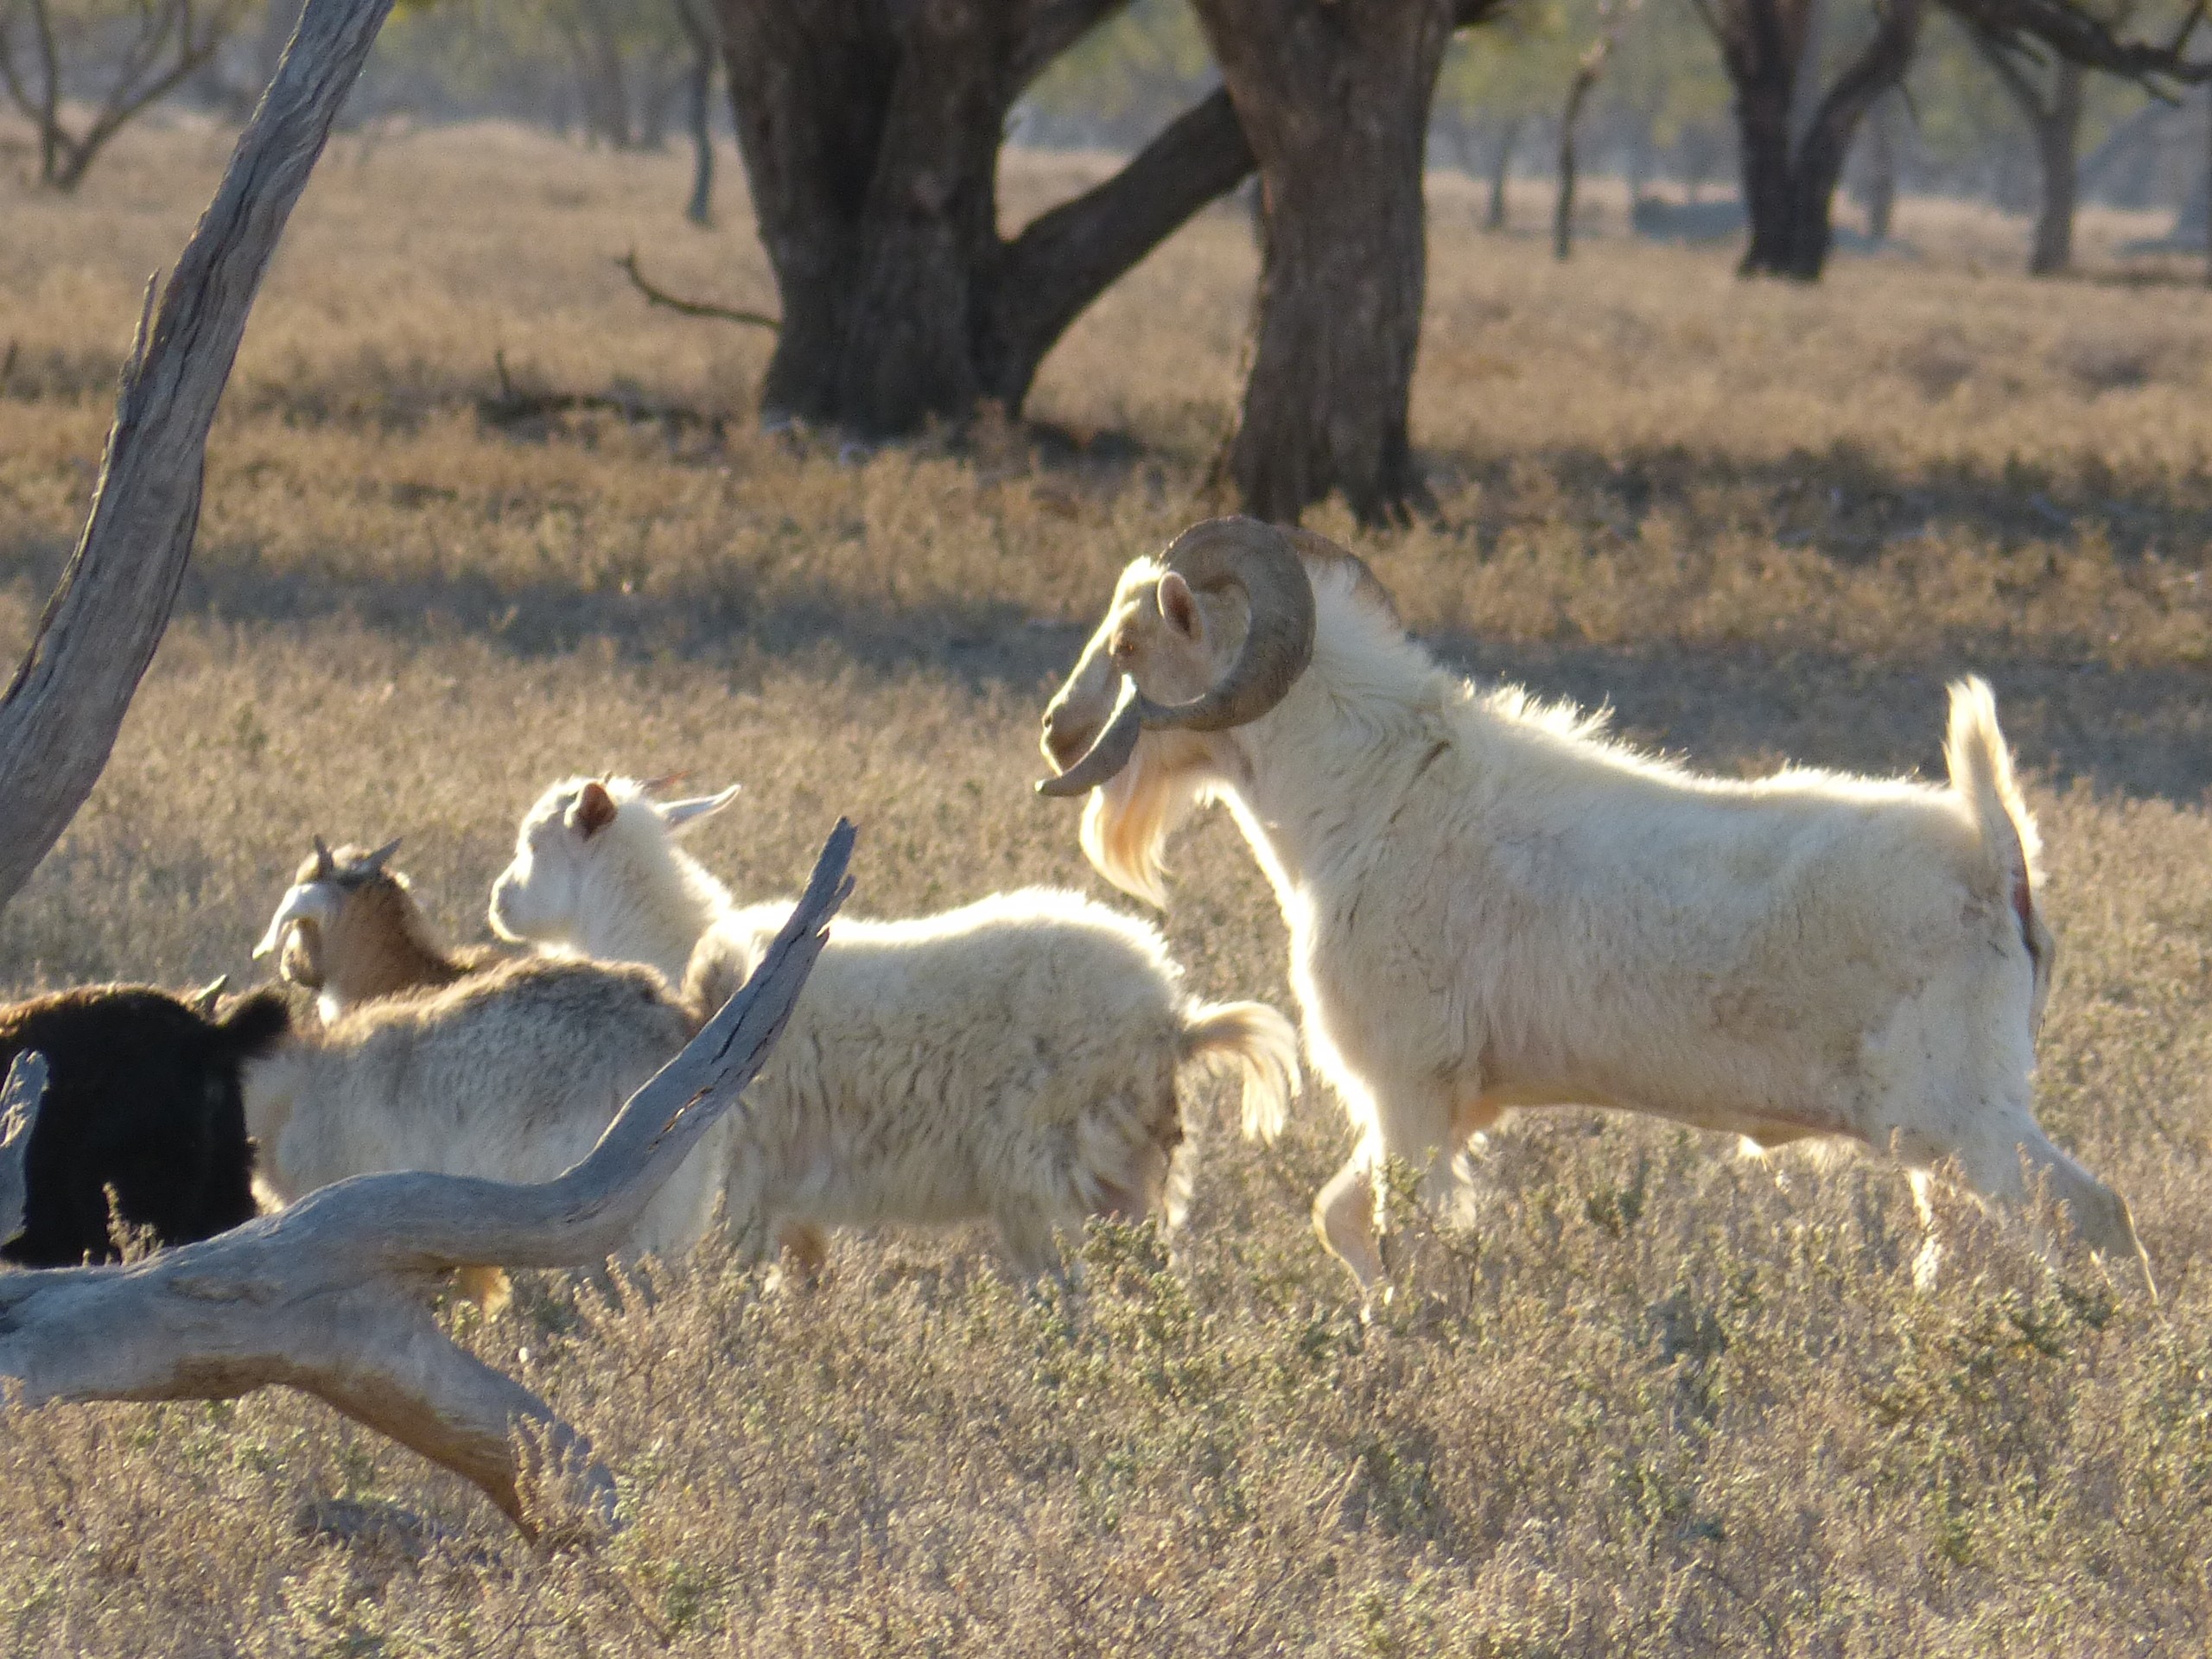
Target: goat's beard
point(1128, 819)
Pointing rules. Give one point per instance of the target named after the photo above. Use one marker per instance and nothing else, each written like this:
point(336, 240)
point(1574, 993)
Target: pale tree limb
point(333, 1295)
point(19, 1100)
point(59, 718)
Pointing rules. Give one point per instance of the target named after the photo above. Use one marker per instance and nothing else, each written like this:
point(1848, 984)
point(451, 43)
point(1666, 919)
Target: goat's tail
point(255, 1025)
point(1982, 774)
point(1261, 1045)
point(722, 960)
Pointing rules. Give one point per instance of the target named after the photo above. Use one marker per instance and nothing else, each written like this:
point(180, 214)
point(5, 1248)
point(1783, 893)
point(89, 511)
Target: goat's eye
point(1123, 649)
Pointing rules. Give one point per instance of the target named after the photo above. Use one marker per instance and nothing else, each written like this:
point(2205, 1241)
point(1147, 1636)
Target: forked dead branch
point(332, 1296)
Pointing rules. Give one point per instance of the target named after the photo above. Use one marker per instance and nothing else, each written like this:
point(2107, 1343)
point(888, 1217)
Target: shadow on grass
point(1846, 503)
point(2139, 731)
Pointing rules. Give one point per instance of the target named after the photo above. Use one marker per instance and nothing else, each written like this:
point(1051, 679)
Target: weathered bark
point(1334, 100)
point(331, 1296)
point(870, 135)
point(1793, 147)
point(59, 718)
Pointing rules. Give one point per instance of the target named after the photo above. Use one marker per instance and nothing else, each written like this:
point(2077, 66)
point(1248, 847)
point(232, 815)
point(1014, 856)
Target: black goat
point(142, 1097)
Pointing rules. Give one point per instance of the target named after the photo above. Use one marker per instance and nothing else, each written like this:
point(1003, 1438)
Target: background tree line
point(871, 131)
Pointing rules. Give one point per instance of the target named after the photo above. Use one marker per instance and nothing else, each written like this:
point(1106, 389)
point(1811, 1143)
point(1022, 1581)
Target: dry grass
point(1662, 1401)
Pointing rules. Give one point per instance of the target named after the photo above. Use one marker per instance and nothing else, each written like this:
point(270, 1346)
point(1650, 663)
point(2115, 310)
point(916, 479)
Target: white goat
point(509, 1071)
point(1492, 905)
point(1015, 1059)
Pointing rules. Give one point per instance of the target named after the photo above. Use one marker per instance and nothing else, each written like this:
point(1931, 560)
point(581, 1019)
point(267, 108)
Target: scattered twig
point(628, 264)
point(513, 406)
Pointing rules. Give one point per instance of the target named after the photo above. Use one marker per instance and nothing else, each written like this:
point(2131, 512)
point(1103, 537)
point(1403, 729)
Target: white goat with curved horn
point(1491, 905)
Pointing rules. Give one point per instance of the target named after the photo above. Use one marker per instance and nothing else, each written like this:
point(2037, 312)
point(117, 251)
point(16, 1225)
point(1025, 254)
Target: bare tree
point(2050, 100)
point(1613, 18)
point(696, 19)
point(118, 60)
point(1792, 135)
point(332, 1296)
point(59, 717)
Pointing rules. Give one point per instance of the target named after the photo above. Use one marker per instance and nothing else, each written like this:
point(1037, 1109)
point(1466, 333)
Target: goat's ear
point(1179, 606)
point(594, 810)
point(678, 815)
point(203, 999)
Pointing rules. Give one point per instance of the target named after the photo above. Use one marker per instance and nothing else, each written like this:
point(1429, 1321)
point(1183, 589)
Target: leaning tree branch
point(628, 264)
point(2067, 28)
point(59, 718)
point(1066, 259)
point(333, 1295)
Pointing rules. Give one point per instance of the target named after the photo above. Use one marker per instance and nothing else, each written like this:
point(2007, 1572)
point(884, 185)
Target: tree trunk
point(870, 136)
point(2058, 136)
point(59, 718)
point(698, 32)
point(2054, 122)
point(601, 80)
point(1790, 183)
point(1578, 93)
point(1334, 98)
point(1880, 195)
point(1501, 171)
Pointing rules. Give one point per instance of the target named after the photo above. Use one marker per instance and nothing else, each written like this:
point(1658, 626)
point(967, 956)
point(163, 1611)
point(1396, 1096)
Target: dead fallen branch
point(512, 405)
point(332, 1296)
point(661, 296)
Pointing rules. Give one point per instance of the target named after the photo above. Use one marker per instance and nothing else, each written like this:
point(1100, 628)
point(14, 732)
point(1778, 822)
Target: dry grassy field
point(1662, 1401)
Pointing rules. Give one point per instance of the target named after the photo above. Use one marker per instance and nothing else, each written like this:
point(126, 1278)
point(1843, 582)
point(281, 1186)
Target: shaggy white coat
point(1015, 1059)
point(511, 1074)
point(1492, 905)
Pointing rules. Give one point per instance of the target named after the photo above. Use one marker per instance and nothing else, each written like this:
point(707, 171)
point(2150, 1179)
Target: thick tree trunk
point(870, 136)
point(1334, 98)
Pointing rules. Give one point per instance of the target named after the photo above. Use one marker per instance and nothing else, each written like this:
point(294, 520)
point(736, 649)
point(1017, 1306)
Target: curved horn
point(375, 860)
point(325, 865)
point(1263, 563)
point(1259, 559)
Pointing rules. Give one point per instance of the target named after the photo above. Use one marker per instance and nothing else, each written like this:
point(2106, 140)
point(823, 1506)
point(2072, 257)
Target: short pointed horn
point(325, 865)
point(376, 860)
point(677, 814)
